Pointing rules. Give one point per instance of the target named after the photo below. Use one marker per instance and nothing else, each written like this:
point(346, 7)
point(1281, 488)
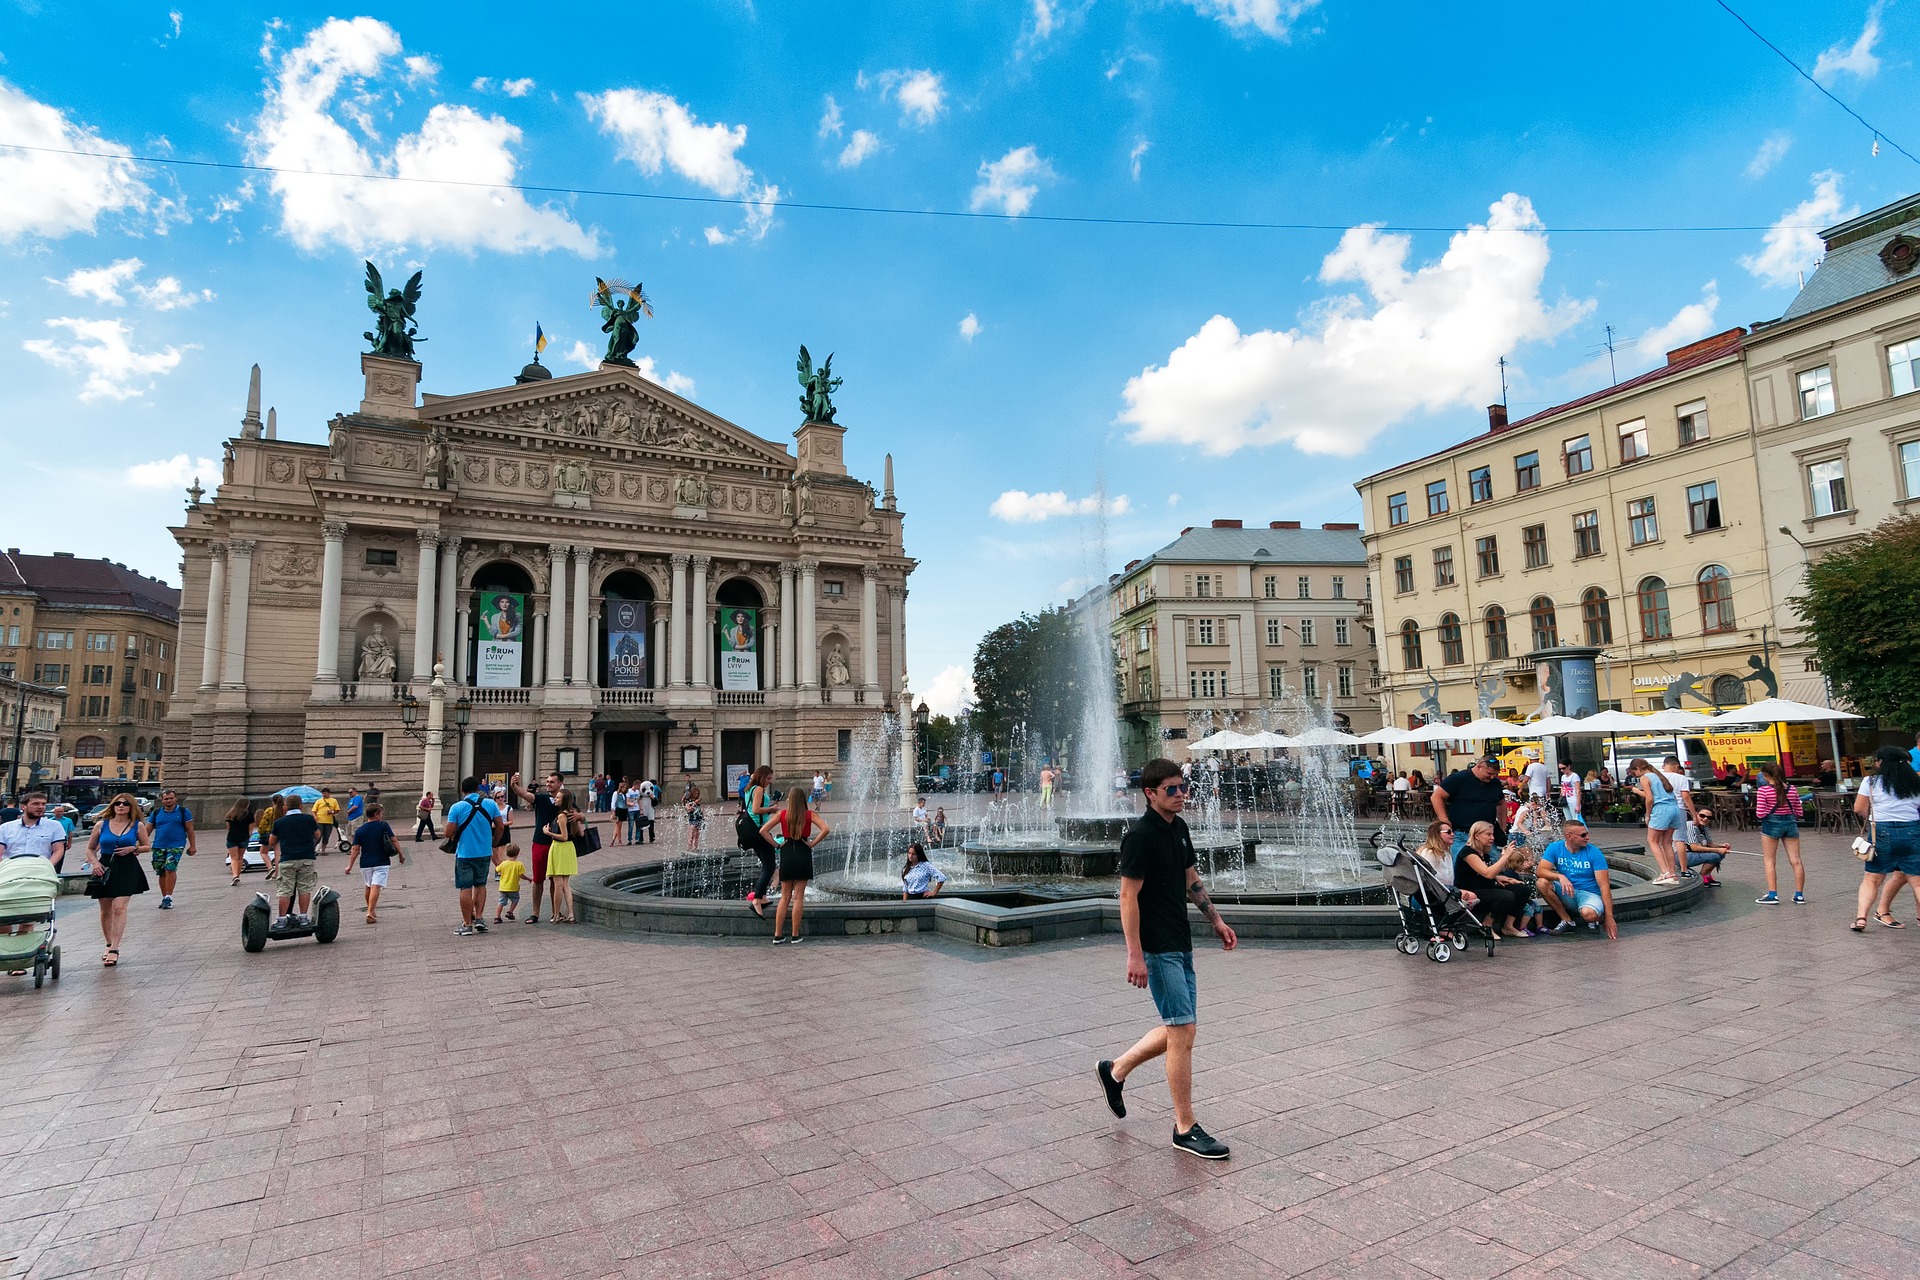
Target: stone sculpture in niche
point(838, 672)
point(376, 656)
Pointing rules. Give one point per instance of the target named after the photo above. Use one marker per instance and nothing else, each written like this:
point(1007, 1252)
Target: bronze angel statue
point(816, 401)
point(619, 318)
point(393, 331)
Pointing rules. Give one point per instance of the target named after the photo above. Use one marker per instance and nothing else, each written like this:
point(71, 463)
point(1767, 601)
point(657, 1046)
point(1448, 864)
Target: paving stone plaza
point(1728, 1092)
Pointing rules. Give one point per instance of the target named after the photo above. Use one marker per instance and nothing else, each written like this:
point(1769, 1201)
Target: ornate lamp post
point(436, 732)
point(909, 750)
point(921, 715)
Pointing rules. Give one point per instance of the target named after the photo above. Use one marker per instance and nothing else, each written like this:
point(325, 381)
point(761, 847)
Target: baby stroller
point(1429, 909)
point(28, 886)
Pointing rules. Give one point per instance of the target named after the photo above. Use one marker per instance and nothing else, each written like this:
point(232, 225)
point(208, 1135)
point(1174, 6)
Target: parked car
point(930, 784)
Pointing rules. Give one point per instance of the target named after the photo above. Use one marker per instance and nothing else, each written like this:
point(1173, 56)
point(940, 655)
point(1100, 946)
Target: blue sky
point(1012, 366)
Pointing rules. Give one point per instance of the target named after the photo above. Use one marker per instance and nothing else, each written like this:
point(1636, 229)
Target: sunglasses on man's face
point(1175, 789)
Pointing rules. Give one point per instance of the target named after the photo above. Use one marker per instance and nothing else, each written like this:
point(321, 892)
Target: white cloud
point(970, 326)
point(1134, 157)
point(920, 94)
point(1269, 17)
point(176, 472)
point(1769, 154)
point(950, 692)
point(297, 131)
point(1689, 324)
point(420, 67)
point(1011, 182)
point(1857, 59)
point(174, 16)
point(583, 355)
point(517, 88)
point(1427, 340)
point(43, 194)
point(110, 283)
point(1793, 245)
point(861, 145)
point(103, 350)
point(653, 131)
point(1017, 506)
point(1046, 16)
point(167, 294)
point(481, 84)
point(831, 121)
point(675, 381)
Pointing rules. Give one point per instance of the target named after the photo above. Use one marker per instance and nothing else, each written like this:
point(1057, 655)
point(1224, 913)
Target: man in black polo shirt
point(1469, 796)
point(1158, 877)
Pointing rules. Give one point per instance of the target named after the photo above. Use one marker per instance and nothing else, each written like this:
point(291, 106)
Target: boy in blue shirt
point(1573, 873)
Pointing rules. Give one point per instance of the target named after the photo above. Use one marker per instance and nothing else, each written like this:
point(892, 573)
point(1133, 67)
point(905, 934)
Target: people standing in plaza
point(326, 817)
point(293, 843)
point(795, 830)
point(473, 819)
point(819, 791)
point(1683, 789)
point(1890, 799)
point(1474, 794)
point(1776, 803)
point(563, 861)
point(510, 871)
point(356, 812)
point(617, 798)
point(1664, 815)
point(375, 849)
point(34, 834)
point(1539, 779)
point(920, 817)
point(756, 807)
point(545, 804)
point(113, 859)
point(423, 825)
point(170, 833)
point(1159, 875)
point(696, 815)
point(1570, 791)
point(920, 879)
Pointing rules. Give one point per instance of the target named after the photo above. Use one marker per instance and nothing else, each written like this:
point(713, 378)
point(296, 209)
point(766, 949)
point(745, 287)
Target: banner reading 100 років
point(626, 644)
point(739, 648)
point(503, 624)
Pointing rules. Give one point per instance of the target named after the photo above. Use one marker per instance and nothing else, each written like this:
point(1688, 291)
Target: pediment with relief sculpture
point(617, 409)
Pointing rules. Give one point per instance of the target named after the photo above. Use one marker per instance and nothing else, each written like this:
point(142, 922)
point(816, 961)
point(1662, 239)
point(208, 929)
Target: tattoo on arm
point(1197, 894)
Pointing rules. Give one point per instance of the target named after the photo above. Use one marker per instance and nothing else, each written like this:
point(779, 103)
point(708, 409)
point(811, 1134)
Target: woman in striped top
point(1777, 805)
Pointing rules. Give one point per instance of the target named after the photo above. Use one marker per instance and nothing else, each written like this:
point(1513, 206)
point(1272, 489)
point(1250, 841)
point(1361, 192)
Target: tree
point(1024, 673)
point(1859, 611)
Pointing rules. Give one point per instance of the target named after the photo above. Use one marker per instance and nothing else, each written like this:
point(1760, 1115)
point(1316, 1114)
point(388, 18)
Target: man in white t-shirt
point(33, 834)
point(1539, 779)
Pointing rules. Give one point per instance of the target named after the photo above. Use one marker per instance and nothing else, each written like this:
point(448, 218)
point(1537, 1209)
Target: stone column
point(869, 628)
point(333, 559)
point(557, 613)
point(700, 630)
point(659, 663)
point(677, 627)
point(240, 585)
point(898, 667)
point(582, 589)
point(789, 624)
point(210, 637)
point(527, 760)
point(422, 668)
point(807, 643)
point(466, 756)
point(540, 641)
point(460, 614)
point(443, 642)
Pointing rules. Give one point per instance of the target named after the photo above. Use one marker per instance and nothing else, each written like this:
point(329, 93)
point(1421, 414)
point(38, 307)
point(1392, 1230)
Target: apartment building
point(110, 635)
point(1835, 383)
point(1226, 620)
point(1628, 520)
point(29, 734)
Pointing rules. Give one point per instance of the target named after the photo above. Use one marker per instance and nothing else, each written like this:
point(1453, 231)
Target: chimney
point(1496, 417)
point(1338, 527)
point(1226, 524)
point(1184, 532)
point(1719, 342)
point(1284, 524)
point(1130, 566)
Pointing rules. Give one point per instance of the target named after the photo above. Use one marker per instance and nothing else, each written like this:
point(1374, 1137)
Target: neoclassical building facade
point(612, 578)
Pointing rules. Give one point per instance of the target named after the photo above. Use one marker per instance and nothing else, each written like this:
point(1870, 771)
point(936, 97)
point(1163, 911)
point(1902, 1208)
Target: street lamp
point(20, 731)
point(921, 715)
point(435, 736)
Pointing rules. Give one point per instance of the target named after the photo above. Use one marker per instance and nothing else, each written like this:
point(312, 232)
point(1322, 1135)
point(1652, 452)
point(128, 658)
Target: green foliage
point(1024, 673)
point(940, 741)
point(1859, 610)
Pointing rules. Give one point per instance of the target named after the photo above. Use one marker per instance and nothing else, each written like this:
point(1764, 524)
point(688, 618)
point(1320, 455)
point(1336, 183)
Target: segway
point(258, 928)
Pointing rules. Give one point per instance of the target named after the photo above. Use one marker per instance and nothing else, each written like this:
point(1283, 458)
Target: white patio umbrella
point(1487, 727)
point(1391, 737)
point(1320, 736)
point(1268, 740)
point(1775, 710)
point(1219, 740)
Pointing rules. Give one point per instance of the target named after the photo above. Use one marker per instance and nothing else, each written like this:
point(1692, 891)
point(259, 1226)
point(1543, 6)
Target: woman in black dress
point(239, 831)
point(1503, 899)
point(113, 858)
point(796, 829)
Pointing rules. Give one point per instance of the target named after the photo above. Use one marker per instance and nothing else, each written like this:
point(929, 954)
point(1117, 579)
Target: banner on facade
point(502, 628)
point(626, 644)
point(739, 648)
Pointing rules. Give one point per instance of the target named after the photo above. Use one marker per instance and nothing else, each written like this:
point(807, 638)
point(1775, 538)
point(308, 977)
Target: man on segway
point(292, 855)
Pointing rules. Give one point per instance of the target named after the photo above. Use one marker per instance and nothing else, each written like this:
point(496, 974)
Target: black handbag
point(589, 840)
point(452, 843)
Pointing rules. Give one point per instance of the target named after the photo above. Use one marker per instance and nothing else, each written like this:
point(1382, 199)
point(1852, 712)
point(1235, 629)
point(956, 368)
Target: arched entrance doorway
point(740, 655)
point(630, 735)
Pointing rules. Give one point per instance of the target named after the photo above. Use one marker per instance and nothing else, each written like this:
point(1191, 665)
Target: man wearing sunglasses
point(1159, 875)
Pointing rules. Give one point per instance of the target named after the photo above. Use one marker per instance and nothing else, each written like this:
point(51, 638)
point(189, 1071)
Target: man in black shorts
point(1159, 875)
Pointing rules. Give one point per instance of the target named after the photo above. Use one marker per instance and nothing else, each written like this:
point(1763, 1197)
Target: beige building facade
point(612, 578)
point(1835, 386)
point(1629, 520)
point(30, 716)
point(1225, 621)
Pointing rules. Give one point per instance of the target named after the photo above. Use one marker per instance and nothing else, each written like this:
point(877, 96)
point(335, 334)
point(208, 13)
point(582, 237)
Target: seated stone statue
point(376, 656)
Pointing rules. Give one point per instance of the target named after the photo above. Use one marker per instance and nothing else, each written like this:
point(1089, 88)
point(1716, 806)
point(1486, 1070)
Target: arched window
point(1728, 691)
point(1496, 619)
point(140, 747)
point(1546, 625)
point(1716, 599)
point(1452, 651)
point(90, 747)
point(1410, 645)
point(153, 749)
point(122, 753)
point(1596, 616)
point(1656, 620)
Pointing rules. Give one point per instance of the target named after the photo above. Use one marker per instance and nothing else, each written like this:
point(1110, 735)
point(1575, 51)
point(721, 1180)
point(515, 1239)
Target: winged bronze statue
point(816, 400)
point(619, 318)
point(393, 332)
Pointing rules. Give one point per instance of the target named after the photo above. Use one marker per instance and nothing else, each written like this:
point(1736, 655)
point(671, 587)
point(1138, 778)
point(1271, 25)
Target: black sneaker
point(1115, 1103)
point(479, 927)
point(1197, 1141)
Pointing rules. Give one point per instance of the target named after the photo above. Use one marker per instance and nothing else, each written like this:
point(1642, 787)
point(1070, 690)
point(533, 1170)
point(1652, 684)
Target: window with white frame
point(1306, 631)
point(1343, 681)
point(1273, 631)
point(1204, 583)
point(1827, 486)
point(1276, 682)
point(1305, 587)
point(1146, 684)
point(1342, 632)
point(1310, 681)
point(1203, 682)
point(1692, 418)
point(1339, 587)
point(1703, 506)
point(1204, 629)
point(1910, 469)
point(100, 641)
point(1643, 522)
point(1443, 566)
point(1903, 366)
point(1816, 392)
point(1633, 440)
point(1142, 638)
point(1270, 587)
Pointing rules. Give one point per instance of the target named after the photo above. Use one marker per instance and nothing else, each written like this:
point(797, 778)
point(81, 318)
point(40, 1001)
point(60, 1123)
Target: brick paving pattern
point(1731, 1093)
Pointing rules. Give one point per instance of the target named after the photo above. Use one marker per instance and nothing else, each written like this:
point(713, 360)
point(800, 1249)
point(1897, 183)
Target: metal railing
point(741, 698)
point(625, 697)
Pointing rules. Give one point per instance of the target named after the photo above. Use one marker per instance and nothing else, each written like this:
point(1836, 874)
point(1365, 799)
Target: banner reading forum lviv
point(503, 625)
point(626, 644)
point(739, 648)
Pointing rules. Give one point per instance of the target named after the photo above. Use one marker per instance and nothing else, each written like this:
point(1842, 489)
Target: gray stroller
point(1429, 910)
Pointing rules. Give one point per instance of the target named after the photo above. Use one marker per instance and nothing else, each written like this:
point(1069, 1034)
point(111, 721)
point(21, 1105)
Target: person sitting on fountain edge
point(1159, 875)
point(1572, 873)
point(1472, 795)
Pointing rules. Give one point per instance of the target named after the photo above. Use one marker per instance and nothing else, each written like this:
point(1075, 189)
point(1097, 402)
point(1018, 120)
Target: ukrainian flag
point(539, 338)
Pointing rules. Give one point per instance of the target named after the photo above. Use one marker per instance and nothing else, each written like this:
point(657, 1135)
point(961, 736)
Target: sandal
point(1859, 924)
point(1886, 919)
point(110, 959)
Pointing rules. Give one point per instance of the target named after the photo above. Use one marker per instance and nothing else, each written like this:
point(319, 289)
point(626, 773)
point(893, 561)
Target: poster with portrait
point(502, 626)
point(739, 648)
point(626, 644)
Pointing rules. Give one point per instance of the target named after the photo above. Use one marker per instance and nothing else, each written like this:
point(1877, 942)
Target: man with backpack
point(471, 823)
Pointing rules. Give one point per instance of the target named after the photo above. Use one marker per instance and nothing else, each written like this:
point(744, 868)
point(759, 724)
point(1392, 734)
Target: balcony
point(741, 698)
point(373, 691)
point(622, 697)
point(507, 697)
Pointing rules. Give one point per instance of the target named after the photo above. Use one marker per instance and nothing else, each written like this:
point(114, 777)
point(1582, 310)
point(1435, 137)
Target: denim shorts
point(1667, 817)
point(1780, 826)
point(471, 873)
point(1171, 982)
point(1896, 847)
point(1582, 900)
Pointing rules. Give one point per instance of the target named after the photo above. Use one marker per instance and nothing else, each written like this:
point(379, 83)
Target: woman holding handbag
point(113, 857)
point(1777, 805)
point(563, 858)
point(795, 829)
point(1890, 799)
